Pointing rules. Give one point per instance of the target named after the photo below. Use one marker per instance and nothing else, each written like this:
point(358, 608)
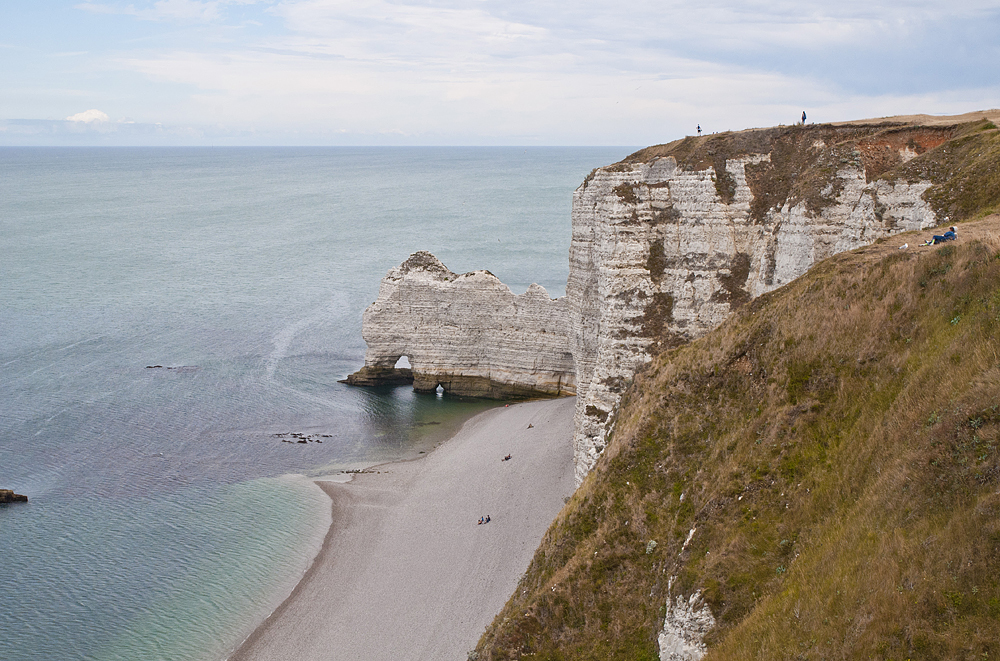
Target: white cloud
point(545, 71)
point(186, 10)
point(88, 116)
point(410, 35)
point(168, 10)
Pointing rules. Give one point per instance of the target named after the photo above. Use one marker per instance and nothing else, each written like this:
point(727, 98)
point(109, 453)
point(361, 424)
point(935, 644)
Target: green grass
point(836, 446)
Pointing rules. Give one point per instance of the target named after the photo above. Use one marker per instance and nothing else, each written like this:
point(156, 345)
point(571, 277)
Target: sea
point(170, 317)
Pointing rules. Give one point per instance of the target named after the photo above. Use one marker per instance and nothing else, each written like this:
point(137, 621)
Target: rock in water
point(8, 496)
point(467, 333)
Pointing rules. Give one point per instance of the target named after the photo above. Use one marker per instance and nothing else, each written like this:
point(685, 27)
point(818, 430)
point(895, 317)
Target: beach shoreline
point(405, 571)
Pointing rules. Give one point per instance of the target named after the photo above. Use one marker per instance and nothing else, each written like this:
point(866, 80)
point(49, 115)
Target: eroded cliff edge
point(665, 245)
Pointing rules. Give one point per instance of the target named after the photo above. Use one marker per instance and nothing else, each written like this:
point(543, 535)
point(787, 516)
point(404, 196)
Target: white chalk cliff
point(665, 245)
point(467, 333)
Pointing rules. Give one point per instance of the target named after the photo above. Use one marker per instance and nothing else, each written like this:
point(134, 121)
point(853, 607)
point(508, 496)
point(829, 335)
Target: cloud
point(88, 116)
point(168, 10)
point(538, 71)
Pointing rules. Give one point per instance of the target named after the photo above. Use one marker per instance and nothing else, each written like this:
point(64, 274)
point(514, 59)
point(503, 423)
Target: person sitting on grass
point(950, 235)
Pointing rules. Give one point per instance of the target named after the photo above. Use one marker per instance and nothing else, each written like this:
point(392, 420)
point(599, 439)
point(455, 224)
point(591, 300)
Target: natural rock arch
point(467, 333)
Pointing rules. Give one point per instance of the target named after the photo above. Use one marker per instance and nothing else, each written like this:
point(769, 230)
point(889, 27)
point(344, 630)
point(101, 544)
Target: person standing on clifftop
point(699, 129)
point(803, 117)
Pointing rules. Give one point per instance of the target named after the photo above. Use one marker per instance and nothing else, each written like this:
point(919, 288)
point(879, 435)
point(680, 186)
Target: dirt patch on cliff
point(657, 314)
point(732, 291)
point(886, 150)
point(965, 172)
point(594, 412)
point(425, 261)
point(725, 185)
point(666, 215)
point(626, 193)
point(656, 262)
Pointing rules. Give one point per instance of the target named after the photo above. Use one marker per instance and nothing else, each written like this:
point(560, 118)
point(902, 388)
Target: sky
point(478, 72)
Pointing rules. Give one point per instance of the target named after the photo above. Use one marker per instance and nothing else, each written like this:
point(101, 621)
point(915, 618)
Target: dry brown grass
point(836, 445)
point(930, 120)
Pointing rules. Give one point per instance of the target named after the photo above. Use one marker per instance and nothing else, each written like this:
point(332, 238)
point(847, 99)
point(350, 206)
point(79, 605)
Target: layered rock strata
point(467, 333)
point(668, 242)
point(665, 245)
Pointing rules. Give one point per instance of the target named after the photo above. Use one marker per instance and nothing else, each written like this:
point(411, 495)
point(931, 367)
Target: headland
point(797, 396)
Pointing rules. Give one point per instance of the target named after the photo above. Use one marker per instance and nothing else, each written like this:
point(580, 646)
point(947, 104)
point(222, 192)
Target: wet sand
point(405, 572)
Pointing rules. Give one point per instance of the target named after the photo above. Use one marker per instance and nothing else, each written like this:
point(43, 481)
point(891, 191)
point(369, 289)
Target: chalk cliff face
point(467, 333)
point(665, 245)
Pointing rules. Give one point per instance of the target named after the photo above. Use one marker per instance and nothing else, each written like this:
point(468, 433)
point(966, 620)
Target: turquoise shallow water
point(166, 518)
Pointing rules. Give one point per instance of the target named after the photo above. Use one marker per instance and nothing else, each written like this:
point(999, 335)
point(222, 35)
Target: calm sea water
point(166, 519)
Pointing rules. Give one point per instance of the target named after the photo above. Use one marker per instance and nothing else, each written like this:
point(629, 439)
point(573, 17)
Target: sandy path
point(405, 572)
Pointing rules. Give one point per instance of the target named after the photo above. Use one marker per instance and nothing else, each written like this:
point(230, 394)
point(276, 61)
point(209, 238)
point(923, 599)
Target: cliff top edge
point(698, 152)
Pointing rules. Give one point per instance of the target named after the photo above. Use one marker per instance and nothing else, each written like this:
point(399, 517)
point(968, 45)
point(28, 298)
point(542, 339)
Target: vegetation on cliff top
point(965, 172)
point(834, 449)
point(962, 161)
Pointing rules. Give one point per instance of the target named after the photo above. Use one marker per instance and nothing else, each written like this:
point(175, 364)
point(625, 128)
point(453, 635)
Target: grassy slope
point(836, 444)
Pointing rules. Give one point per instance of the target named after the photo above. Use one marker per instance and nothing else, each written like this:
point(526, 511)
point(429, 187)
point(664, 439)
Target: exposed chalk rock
point(684, 628)
point(663, 251)
point(468, 333)
point(665, 245)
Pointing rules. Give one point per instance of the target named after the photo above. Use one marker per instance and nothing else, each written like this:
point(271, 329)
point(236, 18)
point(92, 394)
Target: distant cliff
point(665, 245)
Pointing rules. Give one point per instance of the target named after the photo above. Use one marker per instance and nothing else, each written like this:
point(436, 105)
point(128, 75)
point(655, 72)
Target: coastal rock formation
point(665, 245)
point(672, 239)
point(684, 627)
point(8, 496)
point(467, 333)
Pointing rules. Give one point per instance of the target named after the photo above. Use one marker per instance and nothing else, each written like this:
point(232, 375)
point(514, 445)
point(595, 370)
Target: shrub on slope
point(823, 468)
